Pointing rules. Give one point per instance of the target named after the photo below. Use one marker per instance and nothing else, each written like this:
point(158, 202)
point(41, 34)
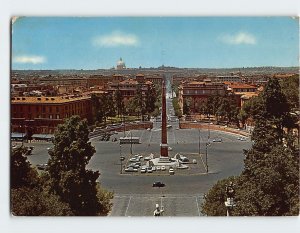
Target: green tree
point(290, 88)
point(269, 183)
point(186, 106)
point(21, 172)
point(150, 99)
point(213, 204)
point(27, 201)
point(118, 99)
point(28, 194)
point(68, 176)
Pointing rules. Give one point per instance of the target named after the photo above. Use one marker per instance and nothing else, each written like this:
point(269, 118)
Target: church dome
point(121, 64)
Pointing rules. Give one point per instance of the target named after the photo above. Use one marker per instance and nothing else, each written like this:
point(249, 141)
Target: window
point(57, 116)
point(44, 109)
point(57, 109)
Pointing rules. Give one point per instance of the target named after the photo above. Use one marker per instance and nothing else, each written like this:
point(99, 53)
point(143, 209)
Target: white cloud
point(29, 59)
point(116, 39)
point(239, 38)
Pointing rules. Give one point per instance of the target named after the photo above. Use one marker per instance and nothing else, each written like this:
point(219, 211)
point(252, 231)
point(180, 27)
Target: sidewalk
point(192, 125)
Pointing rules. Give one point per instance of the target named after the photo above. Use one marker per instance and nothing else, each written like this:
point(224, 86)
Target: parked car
point(153, 168)
point(158, 168)
point(217, 140)
point(143, 170)
point(241, 138)
point(131, 169)
point(134, 160)
point(163, 168)
point(42, 166)
point(170, 148)
point(158, 184)
point(149, 169)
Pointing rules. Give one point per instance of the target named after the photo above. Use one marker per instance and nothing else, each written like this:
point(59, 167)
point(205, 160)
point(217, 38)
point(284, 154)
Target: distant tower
point(121, 64)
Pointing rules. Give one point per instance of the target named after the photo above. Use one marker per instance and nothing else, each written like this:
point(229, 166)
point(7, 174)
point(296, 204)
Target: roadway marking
point(128, 206)
point(198, 206)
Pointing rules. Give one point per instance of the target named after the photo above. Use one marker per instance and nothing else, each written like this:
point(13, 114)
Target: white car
point(149, 169)
point(163, 168)
point(241, 138)
point(147, 158)
point(153, 168)
point(170, 148)
point(134, 160)
point(158, 168)
point(143, 170)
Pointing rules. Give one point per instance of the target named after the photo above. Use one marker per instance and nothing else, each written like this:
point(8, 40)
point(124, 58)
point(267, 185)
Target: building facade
point(43, 114)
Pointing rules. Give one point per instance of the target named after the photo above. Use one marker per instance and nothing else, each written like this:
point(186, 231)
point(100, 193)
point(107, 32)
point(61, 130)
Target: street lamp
point(121, 159)
point(130, 142)
point(206, 155)
point(199, 140)
point(229, 203)
point(22, 135)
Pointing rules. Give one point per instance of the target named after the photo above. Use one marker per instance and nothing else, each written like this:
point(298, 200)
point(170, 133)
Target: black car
point(158, 184)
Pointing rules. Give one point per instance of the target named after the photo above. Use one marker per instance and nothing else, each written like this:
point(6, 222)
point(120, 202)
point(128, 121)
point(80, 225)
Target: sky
point(187, 42)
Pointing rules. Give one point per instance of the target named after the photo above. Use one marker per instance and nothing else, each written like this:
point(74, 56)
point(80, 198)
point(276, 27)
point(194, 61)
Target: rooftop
point(44, 99)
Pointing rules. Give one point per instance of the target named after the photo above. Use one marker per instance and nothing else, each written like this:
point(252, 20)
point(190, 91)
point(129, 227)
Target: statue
point(158, 211)
point(230, 190)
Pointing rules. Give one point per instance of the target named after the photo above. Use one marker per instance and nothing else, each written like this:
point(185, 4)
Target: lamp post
point(206, 154)
point(121, 159)
point(130, 142)
point(22, 135)
point(199, 141)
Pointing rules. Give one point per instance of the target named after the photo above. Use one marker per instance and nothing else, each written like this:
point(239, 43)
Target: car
point(195, 121)
point(170, 148)
point(149, 169)
point(143, 170)
point(163, 168)
point(149, 129)
point(153, 168)
point(241, 138)
point(42, 166)
point(177, 128)
point(171, 171)
point(147, 158)
point(194, 161)
point(134, 160)
point(169, 126)
point(158, 184)
point(158, 168)
point(217, 140)
point(131, 169)
point(138, 163)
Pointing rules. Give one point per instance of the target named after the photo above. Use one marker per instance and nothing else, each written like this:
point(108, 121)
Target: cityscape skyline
point(185, 42)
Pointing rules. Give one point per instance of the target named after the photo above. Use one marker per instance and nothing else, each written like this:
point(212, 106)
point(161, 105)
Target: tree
point(269, 183)
point(27, 201)
point(213, 204)
point(118, 99)
point(68, 176)
point(150, 99)
point(290, 88)
point(20, 170)
point(186, 106)
point(28, 195)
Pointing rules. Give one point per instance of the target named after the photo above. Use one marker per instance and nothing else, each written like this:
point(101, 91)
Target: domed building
point(121, 64)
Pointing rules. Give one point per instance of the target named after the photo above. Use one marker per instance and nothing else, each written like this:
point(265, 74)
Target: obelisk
point(164, 139)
